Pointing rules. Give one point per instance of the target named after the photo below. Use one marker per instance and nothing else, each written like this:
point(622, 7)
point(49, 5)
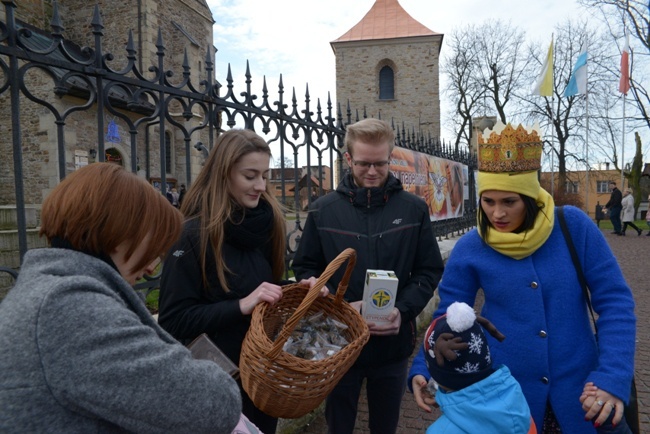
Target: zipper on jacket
point(369, 194)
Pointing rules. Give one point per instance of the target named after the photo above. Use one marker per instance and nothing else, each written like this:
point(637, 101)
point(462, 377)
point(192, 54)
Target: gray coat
point(81, 353)
point(627, 214)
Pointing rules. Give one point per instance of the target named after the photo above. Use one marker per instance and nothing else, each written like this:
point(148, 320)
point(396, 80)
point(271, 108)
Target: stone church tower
point(389, 64)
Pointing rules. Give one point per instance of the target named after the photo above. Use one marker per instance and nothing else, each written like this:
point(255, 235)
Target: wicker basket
point(281, 384)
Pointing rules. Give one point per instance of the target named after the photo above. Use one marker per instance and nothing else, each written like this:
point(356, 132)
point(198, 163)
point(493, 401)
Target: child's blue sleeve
point(418, 367)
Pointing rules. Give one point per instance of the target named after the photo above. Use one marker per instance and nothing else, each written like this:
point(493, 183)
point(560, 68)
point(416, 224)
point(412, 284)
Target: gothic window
point(168, 152)
point(386, 83)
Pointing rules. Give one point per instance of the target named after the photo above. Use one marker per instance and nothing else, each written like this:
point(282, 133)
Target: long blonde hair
point(209, 200)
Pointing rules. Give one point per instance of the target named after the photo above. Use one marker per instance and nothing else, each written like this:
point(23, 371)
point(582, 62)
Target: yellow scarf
point(523, 244)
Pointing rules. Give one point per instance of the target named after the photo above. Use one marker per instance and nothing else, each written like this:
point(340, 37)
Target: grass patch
point(152, 301)
point(607, 224)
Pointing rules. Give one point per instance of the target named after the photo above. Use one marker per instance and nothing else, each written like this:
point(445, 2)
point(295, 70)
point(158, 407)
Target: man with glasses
point(390, 229)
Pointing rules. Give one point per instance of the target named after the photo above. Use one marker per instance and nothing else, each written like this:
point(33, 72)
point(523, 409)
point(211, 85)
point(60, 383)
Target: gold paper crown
point(509, 150)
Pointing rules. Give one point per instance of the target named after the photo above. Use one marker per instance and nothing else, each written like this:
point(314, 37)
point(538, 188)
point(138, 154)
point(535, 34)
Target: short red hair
point(101, 205)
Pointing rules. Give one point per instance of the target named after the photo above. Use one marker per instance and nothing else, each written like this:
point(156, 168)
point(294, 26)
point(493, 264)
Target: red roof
point(386, 20)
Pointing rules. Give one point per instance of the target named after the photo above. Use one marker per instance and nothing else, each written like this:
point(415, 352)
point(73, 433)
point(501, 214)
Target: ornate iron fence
point(152, 101)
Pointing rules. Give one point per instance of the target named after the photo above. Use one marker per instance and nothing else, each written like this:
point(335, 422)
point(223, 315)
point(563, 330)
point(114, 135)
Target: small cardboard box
point(379, 294)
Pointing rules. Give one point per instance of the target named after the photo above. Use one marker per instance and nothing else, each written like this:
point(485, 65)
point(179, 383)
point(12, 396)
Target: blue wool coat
point(538, 304)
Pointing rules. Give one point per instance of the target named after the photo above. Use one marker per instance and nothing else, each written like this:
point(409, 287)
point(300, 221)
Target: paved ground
point(632, 253)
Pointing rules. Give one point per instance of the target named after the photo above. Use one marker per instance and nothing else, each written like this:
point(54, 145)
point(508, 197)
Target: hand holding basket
point(284, 385)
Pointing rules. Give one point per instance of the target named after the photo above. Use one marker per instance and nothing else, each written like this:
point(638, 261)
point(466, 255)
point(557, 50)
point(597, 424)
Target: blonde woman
point(230, 256)
point(627, 214)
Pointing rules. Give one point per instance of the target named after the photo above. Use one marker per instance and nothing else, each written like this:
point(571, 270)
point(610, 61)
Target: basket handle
point(347, 254)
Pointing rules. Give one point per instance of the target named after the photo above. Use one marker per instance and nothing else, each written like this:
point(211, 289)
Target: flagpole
point(624, 87)
point(623, 148)
point(553, 123)
point(552, 145)
point(587, 132)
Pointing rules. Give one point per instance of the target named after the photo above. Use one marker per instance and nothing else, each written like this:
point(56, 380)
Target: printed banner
point(441, 183)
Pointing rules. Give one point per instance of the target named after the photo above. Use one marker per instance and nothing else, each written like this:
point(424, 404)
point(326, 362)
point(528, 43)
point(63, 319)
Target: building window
point(386, 83)
point(168, 152)
point(602, 187)
point(571, 187)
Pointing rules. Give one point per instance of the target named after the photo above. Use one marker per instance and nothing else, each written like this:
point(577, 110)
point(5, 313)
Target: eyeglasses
point(368, 165)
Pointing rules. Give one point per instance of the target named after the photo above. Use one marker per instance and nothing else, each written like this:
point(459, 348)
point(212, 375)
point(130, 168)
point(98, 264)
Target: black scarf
point(61, 243)
point(249, 228)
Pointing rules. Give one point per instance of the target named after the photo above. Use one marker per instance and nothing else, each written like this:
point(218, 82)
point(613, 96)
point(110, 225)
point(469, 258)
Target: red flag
point(624, 83)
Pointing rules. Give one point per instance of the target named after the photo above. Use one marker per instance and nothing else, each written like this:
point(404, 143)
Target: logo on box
point(381, 298)
point(379, 293)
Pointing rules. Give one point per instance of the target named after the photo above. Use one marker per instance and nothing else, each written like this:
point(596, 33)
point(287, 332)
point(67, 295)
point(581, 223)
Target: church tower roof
point(386, 20)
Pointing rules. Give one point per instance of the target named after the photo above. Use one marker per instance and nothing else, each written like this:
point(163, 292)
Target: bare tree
point(634, 176)
point(502, 63)
point(484, 68)
point(286, 164)
point(460, 66)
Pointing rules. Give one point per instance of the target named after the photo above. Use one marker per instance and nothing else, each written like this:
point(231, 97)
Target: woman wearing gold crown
point(519, 257)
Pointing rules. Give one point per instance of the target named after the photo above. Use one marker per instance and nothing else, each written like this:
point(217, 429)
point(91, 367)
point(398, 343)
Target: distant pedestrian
point(627, 216)
point(613, 207)
point(600, 215)
point(647, 216)
point(181, 194)
point(175, 198)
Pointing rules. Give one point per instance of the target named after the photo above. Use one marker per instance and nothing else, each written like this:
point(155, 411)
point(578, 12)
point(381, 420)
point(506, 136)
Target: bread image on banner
point(438, 181)
point(456, 182)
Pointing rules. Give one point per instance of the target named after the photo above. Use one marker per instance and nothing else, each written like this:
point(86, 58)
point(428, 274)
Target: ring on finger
point(600, 402)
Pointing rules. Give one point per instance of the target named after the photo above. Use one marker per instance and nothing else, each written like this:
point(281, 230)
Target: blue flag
point(578, 81)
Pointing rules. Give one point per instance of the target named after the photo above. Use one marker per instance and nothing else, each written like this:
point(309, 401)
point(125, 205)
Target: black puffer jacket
point(390, 229)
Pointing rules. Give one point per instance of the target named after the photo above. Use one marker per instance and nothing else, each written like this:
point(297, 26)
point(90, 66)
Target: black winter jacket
point(187, 308)
point(615, 199)
point(390, 229)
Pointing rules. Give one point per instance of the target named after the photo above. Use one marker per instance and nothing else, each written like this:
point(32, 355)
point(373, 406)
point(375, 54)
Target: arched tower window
point(386, 83)
point(168, 152)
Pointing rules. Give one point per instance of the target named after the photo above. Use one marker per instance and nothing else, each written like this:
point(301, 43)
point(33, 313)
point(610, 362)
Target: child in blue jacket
point(473, 396)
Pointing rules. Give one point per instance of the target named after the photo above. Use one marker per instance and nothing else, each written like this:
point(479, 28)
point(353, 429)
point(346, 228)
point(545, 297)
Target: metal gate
point(150, 105)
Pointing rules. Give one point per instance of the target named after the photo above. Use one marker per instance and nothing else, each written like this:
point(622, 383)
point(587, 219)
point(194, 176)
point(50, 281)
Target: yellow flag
point(544, 84)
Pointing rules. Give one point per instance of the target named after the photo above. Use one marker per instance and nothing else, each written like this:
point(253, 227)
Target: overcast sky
point(292, 37)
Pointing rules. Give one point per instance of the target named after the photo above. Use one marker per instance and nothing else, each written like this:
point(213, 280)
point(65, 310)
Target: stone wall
point(192, 31)
point(415, 63)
